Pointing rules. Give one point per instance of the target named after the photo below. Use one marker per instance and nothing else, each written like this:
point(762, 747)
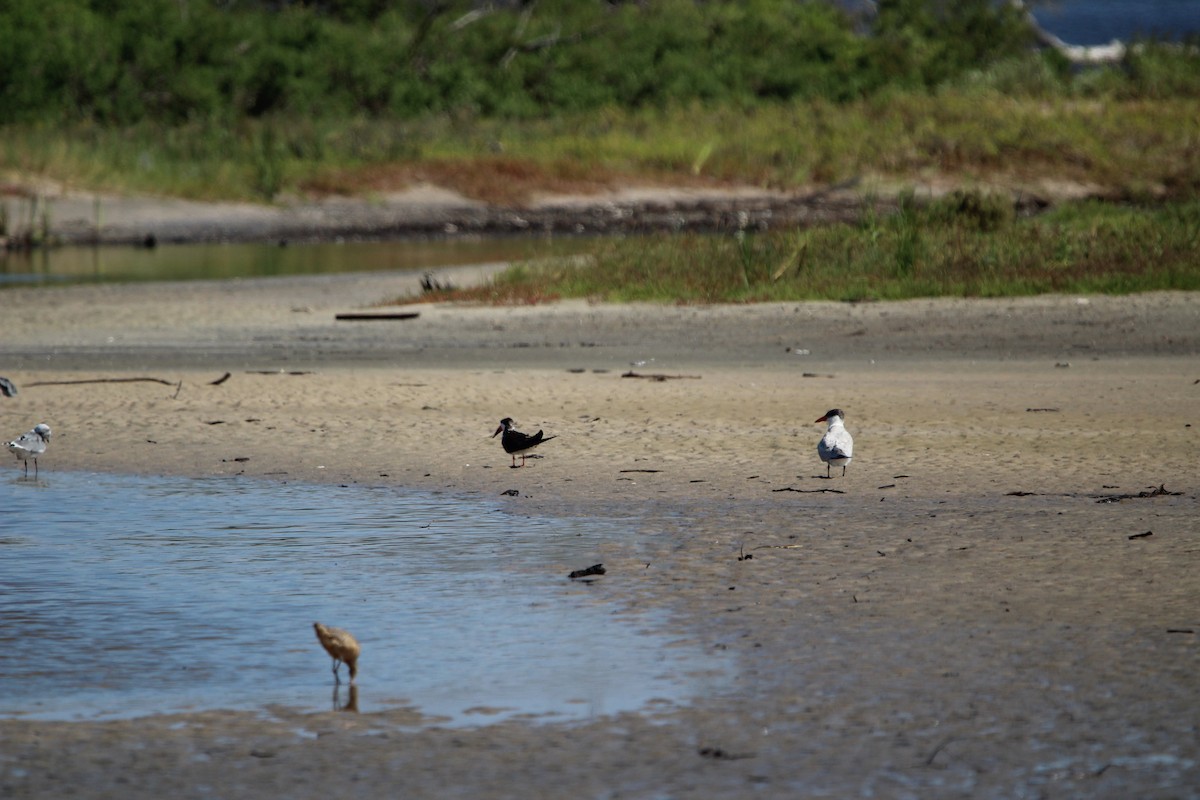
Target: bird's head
point(42, 430)
point(505, 424)
point(831, 413)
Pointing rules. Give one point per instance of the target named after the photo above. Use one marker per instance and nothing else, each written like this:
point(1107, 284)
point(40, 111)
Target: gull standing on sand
point(341, 646)
point(836, 447)
point(515, 442)
point(31, 445)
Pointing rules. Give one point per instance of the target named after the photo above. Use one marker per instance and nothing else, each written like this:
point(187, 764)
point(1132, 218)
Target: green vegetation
point(1131, 148)
point(123, 62)
point(965, 244)
point(262, 99)
point(253, 99)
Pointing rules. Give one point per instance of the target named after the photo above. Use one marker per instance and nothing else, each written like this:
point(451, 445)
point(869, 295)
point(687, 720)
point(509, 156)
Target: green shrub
point(171, 62)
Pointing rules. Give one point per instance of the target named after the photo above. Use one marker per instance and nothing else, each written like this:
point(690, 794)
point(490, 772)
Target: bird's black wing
point(515, 441)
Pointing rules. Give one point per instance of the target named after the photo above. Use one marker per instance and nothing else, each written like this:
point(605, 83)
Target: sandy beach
point(964, 614)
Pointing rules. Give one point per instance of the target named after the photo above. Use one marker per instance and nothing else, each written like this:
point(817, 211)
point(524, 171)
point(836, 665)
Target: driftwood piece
point(221, 379)
point(369, 316)
point(1161, 491)
point(106, 380)
point(278, 372)
point(659, 376)
point(808, 491)
point(177, 384)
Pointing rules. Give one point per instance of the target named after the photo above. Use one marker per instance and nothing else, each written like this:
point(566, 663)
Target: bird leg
point(336, 678)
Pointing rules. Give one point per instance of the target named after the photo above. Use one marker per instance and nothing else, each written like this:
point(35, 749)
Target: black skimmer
point(341, 646)
point(836, 447)
point(31, 445)
point(516, 442)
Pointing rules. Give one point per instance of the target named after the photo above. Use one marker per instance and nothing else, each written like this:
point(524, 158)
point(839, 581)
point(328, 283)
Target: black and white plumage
point(7, 387)
point(516, 443)
point(28, 446)
point(836, 447)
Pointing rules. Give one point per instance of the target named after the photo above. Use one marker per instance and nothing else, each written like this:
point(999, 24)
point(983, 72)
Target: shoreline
point(426, 210)
point(429, 211)
point(962, 617)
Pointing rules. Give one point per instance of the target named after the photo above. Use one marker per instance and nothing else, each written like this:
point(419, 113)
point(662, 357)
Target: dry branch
point(105, 380)
point(659, 376)
point(373, 315)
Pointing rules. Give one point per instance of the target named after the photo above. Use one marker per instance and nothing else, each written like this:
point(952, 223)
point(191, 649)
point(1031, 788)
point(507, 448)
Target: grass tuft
point(965, 245)
point(1137, 148)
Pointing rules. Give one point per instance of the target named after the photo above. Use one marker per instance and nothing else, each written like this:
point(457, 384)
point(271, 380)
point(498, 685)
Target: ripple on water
point(124, 596)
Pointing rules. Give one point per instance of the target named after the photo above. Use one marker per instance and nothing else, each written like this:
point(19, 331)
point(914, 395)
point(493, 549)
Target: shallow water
point(1090, 22)
point(220, 261)
point(123, 596)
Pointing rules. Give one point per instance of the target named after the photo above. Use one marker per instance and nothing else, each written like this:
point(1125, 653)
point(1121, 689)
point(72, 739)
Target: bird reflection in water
point(351, 698)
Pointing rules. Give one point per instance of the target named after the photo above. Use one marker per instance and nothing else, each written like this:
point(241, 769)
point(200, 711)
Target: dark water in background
point(1089, 22)
point(220, 261)
point(122, 596)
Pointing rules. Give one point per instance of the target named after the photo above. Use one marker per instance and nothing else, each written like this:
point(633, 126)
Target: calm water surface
point(1090, 22)
point(219, 261)
point(123, 596)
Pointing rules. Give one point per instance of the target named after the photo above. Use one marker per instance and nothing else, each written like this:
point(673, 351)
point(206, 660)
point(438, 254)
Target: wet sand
point(964, 614)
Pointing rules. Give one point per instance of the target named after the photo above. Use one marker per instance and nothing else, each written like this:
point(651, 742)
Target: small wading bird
point(341, 646)
point(836, 447)
point(31, 445)
point(517, 443)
